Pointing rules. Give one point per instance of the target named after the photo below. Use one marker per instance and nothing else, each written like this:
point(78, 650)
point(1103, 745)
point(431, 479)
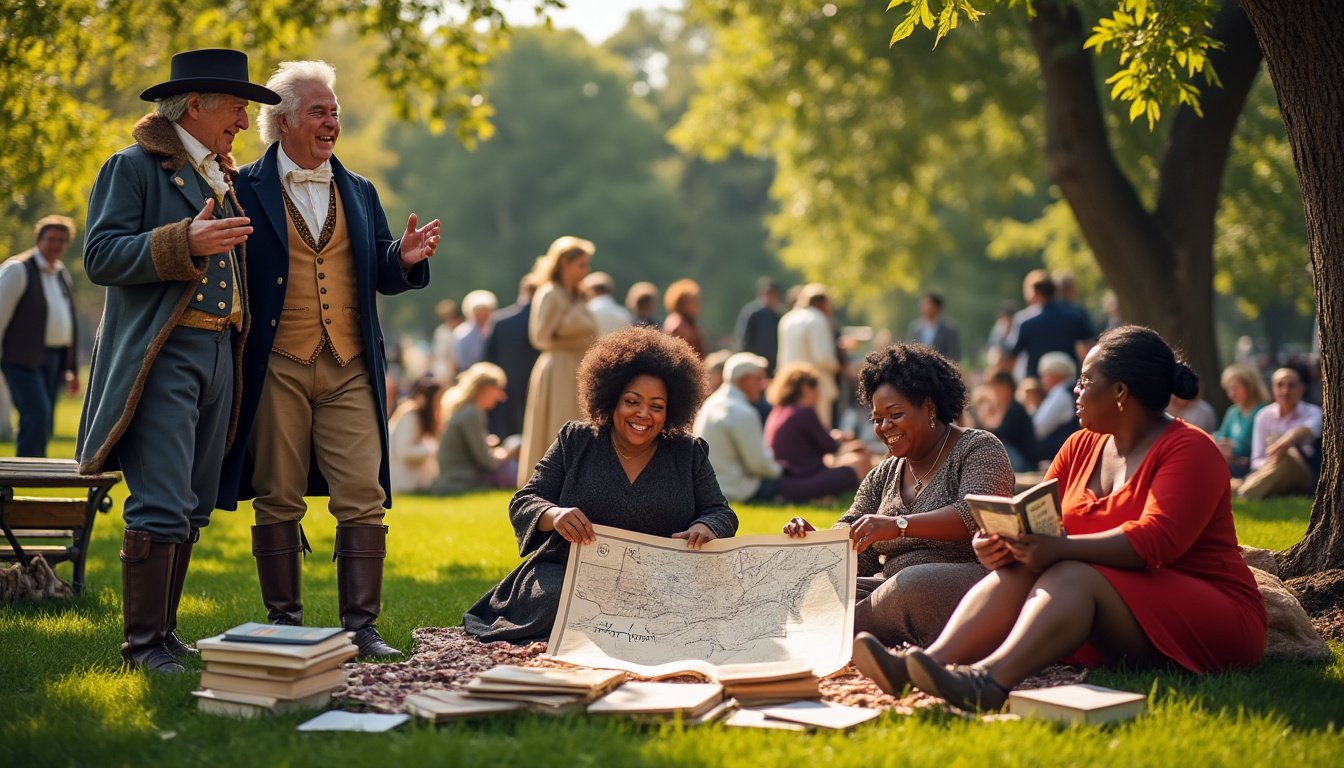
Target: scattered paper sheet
point(364, 722)
point(820, 714)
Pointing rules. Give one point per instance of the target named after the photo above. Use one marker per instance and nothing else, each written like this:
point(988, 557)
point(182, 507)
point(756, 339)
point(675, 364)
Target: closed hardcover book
point(774, 691)
point(280, 689)
point(570, 679)
point(263, 651)
point(440, 706)
point(245, 669)
point(1035, 510)
point(243, 705)
point(1081, 703)
point(252, 632)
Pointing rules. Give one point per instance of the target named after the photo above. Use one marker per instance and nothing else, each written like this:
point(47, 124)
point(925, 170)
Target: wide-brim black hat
point(211, 70)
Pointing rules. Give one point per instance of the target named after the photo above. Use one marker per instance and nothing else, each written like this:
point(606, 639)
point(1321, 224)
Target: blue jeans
point(34, 392)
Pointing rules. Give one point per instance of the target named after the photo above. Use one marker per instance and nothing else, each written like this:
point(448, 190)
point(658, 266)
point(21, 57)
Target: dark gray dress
point(675, 490)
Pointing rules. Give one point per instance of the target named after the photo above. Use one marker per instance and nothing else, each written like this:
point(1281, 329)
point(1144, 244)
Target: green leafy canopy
point(1160, 46)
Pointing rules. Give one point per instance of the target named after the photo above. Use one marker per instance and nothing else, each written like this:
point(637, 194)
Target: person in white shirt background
point(611, 316)
point(35, 293)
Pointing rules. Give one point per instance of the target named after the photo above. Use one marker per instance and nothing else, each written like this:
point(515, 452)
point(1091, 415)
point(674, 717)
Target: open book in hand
point(1035, 510)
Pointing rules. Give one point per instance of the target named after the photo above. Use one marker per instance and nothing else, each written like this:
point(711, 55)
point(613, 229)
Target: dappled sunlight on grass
point(108, 700)
point(60, 625)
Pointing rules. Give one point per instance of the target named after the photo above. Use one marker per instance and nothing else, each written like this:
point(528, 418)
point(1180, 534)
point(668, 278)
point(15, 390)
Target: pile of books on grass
point(754, 685)
point(264, 668)
point(608, 693)
point(510, 688)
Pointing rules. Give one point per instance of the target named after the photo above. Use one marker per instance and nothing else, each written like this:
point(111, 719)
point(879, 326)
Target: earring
point(1120, 405)
point(933, 421)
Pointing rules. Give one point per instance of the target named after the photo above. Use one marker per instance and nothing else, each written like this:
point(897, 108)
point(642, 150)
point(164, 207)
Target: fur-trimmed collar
point(154, 133)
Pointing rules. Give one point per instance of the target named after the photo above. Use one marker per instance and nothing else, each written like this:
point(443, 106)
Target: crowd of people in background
point(783, 420)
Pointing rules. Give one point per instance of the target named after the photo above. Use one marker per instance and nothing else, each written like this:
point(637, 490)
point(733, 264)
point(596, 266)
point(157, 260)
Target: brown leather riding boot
point(360, 551)
point(176, 648)
point(279, 552)
point(146, 578)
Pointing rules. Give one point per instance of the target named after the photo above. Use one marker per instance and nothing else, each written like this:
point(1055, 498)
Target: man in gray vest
point(35, 294)
point(166, 236)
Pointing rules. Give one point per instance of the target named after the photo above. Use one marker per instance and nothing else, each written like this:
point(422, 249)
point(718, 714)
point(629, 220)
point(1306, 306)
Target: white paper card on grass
point(363, 722)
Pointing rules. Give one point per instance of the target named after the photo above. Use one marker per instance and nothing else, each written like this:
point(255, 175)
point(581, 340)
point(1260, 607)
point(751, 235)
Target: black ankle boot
point(882, 666)
point(965, 687)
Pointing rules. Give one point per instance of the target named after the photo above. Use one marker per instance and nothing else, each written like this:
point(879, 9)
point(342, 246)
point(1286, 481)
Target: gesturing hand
point(418, 244)
point(572, 525)
point(696, 536)
point(208, 236)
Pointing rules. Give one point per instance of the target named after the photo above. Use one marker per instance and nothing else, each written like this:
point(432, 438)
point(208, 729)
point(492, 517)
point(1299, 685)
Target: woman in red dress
point(1149, 573)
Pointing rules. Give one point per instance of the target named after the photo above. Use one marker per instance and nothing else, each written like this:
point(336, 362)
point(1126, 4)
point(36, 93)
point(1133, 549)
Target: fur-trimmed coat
point(140, 210)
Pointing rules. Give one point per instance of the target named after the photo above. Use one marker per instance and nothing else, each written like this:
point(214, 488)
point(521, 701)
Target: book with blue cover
point(252, 632)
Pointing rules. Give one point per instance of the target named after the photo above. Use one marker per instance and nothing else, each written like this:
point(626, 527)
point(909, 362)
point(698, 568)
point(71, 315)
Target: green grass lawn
point(64, 700)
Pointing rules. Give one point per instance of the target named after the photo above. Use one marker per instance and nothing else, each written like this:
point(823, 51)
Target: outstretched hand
point(208, 236)
point(418, 244)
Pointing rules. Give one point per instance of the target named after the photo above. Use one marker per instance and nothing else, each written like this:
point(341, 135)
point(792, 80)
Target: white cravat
point(203, 160)
point(310, 189)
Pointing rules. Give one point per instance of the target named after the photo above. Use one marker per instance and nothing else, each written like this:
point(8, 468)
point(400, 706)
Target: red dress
point(1196, 600)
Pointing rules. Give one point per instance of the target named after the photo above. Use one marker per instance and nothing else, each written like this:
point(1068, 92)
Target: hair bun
point(1184, 382)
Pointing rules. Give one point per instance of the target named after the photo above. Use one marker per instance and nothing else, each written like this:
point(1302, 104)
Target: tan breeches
point(1286, 474)
point(324, 411)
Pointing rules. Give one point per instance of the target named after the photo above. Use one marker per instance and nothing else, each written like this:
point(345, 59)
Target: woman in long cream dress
point(561, 328)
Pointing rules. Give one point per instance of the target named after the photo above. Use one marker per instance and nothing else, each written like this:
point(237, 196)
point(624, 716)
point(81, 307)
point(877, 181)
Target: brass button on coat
point(200, 297)
point(220, 305)
point(279, 281)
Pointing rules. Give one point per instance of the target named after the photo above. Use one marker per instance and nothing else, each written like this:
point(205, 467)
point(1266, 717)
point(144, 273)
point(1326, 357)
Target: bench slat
point(30, 512)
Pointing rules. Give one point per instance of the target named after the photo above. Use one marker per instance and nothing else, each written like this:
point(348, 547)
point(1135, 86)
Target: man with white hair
point(807, 335)
point(598, 287)
point(166, 235)
point(470, 337)
point(730, 423)
point(313, 368)
point(1055, 419)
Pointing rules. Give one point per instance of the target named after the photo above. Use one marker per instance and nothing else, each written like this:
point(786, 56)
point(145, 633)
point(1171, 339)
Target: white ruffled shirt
point(203, 160)
point(312, 198)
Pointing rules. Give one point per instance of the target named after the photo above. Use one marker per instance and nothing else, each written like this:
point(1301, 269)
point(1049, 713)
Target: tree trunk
point(1160, 262)
point(1303, 44)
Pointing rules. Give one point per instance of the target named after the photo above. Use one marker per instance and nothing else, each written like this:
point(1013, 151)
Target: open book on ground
point(759, 684)
point(1081, 703)
point(1035, 510)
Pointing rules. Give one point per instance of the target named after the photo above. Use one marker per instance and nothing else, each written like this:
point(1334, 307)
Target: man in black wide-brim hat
point(166, 236)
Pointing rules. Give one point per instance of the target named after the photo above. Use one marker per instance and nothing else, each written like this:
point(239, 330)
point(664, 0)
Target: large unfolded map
point(651, 606)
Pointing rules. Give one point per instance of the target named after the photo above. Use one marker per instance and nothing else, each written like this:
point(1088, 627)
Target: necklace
point(919, 479)
point(631, 457)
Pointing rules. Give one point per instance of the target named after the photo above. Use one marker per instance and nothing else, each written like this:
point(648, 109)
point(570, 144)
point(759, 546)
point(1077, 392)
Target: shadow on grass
point(1306, 696)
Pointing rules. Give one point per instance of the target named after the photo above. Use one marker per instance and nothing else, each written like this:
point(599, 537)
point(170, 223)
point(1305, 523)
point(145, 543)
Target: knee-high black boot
point(360, 551)
point(146, 581)
point(279, 552)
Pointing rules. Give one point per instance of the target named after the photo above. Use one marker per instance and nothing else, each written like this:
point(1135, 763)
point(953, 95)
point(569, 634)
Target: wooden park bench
point(56, 528)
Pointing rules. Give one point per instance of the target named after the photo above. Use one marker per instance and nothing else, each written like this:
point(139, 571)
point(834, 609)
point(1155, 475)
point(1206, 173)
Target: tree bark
point(1303, 44)
point(1158, 262)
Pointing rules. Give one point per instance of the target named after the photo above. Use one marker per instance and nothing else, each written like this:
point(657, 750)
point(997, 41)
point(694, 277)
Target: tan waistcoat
point(322, 300)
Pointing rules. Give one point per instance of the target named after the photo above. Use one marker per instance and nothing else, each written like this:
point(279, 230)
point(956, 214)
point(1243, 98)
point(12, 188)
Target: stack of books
point(552, 691)
point(260, 668)
point(691, 703)
point(754, 685)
